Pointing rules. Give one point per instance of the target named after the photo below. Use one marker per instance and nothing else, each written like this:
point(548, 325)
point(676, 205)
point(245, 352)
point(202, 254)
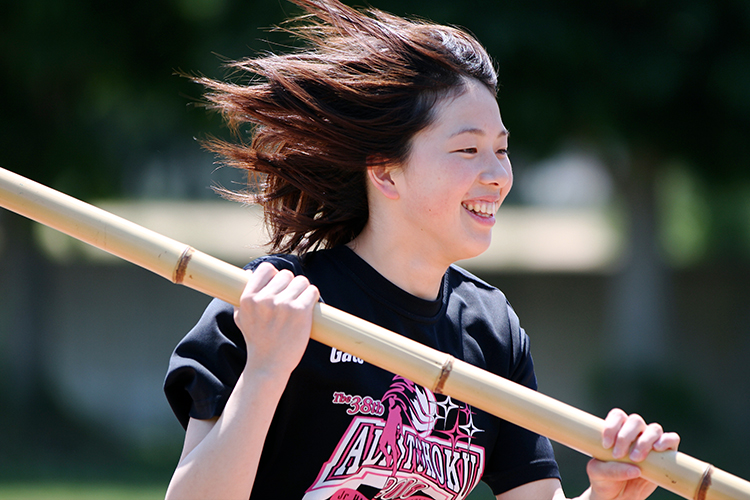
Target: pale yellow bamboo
point(676, 472)
point(120, 237)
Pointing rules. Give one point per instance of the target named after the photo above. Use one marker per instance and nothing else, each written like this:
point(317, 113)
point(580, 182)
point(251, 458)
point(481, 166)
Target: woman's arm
point(220, 456)
point(544, 489)
point(626, 435)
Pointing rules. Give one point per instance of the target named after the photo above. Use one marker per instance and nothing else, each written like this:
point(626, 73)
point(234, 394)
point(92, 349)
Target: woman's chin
point(475, 250)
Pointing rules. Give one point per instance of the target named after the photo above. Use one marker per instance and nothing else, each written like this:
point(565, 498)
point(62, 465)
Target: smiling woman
point(380, 157)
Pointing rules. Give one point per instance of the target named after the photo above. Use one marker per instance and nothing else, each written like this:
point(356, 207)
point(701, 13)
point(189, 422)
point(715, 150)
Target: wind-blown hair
point(355, 96)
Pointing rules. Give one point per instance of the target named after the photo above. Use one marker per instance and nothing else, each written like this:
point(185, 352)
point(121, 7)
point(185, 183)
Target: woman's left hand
point(628, 436)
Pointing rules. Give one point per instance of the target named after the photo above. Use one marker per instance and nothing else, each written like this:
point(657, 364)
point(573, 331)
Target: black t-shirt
point(345, 429)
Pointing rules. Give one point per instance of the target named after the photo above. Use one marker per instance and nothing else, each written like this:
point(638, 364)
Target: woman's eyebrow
point(477, 131)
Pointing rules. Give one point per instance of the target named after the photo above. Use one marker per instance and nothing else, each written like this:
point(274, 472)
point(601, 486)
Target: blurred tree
point(89, 86)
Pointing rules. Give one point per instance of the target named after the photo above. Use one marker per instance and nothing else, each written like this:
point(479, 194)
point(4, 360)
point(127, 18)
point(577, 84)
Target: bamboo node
point(705, 484)
point(180, 268)
point(445, 372)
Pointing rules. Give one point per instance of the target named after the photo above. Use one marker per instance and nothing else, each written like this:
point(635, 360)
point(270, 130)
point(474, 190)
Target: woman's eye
point(502, 152)
point(467, 150)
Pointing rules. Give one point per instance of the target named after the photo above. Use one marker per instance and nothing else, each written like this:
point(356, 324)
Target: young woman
point(380, 158)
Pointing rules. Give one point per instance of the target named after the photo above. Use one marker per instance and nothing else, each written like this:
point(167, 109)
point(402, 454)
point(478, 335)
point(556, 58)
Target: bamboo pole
point(181, 264)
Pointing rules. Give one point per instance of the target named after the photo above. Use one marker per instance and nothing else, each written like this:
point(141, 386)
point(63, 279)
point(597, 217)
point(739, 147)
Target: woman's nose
point(497, 171)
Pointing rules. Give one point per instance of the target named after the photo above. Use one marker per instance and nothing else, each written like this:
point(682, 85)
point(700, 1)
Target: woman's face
point(456, 176)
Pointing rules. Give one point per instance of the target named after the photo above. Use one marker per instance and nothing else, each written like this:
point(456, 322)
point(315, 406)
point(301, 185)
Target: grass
point(80, 491)
point(49, 455)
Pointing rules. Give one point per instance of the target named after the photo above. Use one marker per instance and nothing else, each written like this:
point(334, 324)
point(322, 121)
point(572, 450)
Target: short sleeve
point(206, 364)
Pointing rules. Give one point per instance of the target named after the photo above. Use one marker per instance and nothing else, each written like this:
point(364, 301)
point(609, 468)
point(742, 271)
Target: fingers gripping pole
point(179, 263)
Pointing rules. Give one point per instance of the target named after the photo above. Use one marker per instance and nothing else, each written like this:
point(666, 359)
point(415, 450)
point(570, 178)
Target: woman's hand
point(628, 436)
point(275, 317)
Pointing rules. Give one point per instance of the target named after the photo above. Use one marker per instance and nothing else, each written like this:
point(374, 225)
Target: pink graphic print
point(388, 443)
point(348, 494)
point(417, 448)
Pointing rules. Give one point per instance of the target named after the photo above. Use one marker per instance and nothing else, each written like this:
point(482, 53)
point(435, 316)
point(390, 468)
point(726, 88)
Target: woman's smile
point(483, 209)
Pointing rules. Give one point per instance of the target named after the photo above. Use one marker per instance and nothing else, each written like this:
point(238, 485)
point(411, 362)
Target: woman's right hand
point(275, 317)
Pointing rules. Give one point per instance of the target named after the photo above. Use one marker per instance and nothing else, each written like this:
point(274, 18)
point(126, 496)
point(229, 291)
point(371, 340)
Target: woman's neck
point(400, 263)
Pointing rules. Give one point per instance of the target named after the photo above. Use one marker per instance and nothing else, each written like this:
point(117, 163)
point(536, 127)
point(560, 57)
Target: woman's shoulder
point(483, 300)
point(298, 263)
point(280, 261)
point(465, 282)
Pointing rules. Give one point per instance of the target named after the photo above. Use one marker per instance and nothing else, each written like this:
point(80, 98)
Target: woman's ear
point(382, 179)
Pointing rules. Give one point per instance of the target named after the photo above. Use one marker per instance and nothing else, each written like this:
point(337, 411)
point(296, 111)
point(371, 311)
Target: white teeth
point(481, 207)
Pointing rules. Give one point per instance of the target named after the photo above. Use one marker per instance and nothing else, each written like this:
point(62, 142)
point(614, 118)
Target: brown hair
point(357, 94)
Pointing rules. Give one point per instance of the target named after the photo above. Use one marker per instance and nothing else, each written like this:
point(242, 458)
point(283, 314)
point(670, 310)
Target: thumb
point(611, 471)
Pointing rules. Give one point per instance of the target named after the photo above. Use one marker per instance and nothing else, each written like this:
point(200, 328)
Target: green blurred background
point(634, 115)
